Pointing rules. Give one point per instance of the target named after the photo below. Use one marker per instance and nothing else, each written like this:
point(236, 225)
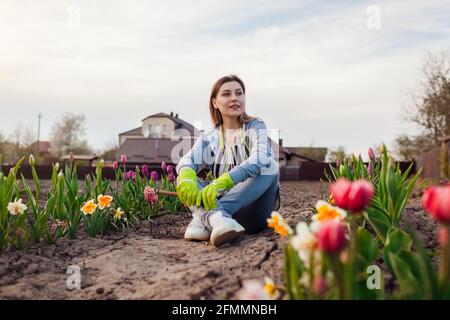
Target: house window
point(148, 131)
point(156, 130)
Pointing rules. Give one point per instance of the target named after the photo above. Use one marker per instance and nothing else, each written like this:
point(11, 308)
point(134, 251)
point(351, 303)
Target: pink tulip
point(130, 175)
point(144, 171)
point(115, 165)
point(169, 169)
point(331, 237)
point(154, 176)
point(352, 196)
point(371, 154)
point(123, 159)
point(436, 200)
point(163, 166)
point(171, 177)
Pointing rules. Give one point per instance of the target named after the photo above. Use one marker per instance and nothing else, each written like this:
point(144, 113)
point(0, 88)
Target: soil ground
point(154, 262)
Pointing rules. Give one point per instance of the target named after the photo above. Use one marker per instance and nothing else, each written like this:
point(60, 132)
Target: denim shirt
point(260, 160)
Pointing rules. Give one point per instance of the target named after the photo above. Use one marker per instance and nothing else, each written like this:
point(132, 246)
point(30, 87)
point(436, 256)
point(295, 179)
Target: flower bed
point(336, 255)
point(97, 208)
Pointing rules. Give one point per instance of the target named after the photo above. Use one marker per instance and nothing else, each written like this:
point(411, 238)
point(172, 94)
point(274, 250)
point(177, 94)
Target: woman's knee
point(253, 218)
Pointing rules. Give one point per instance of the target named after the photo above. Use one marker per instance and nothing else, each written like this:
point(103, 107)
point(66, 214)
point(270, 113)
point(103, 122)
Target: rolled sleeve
point(260, 154)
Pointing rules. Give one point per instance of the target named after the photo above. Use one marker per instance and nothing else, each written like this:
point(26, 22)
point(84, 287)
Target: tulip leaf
point(293, 272)
point(398, 239)
point(367, 249)
point(409, 285)
point(379, 221)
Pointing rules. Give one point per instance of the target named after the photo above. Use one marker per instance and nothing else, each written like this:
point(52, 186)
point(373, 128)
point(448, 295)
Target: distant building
point(42, 152)
point(88, 160)
point(151, 143)
point(293, 156)
point(41, 148)
point(315, 154)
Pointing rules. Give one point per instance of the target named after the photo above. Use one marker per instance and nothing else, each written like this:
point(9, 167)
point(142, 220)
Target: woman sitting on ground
point(238, 154)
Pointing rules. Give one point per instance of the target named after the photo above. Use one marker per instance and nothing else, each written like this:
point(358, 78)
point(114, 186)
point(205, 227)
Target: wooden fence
point(316, 170)
point(312, 171)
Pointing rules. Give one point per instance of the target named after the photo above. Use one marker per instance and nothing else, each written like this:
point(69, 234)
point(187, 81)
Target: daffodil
point(270, 288)
point(326, 211)
point(17, 207)
point(89, 207)
point(305, 243)
point(104, 201)
point(252, 290)
point(304, 239)
point(280, 226)
point(119, 214)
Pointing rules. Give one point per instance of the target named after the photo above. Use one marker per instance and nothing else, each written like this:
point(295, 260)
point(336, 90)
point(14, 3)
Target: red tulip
point(331, 237)
point(353, 196)
point(436, 200)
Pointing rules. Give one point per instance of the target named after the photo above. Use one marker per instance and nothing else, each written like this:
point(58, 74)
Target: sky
point(324, 73)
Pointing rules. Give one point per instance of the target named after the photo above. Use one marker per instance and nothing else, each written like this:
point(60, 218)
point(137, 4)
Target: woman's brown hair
point(216, 116)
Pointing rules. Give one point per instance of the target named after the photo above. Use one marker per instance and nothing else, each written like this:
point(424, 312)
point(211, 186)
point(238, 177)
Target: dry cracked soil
point(153, 261)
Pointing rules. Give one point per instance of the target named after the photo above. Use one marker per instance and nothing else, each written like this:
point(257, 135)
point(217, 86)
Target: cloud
point(312, 68)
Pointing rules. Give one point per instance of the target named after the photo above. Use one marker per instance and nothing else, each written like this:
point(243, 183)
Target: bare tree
point(22, 136)
point(68, 135)
point(18, 144)
point(407, 147)
point(110, 150)
point(337, 155)
point(429, 107)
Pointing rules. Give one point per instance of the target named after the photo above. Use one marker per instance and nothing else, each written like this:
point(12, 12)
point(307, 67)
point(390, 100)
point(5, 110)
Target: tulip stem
point(335, 265)
point(445, 271)
point(353, 254)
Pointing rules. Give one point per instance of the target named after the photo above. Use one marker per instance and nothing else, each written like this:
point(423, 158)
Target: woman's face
point(230, 100)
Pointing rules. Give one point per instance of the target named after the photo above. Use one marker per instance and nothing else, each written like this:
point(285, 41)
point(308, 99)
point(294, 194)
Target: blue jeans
point(250, 202)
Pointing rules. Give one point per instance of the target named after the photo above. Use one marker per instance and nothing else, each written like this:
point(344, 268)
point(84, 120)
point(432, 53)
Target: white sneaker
point(196, 230)
point(224, 229)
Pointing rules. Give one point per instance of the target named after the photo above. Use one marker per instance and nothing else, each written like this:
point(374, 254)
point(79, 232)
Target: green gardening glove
point(187, 187)
point(209, 193)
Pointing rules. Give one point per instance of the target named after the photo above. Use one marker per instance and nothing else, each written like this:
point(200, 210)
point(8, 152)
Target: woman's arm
point(260, 154)
point(198, 156)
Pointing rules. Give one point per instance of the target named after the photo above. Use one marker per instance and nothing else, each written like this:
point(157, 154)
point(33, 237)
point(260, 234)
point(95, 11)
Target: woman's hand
point(209, 193)
point(187, 187)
